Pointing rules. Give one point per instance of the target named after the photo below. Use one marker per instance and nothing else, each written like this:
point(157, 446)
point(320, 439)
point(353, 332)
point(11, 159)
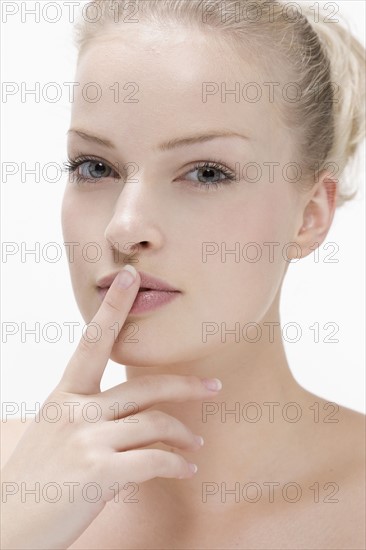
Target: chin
point(154, 353)
point(139, 354)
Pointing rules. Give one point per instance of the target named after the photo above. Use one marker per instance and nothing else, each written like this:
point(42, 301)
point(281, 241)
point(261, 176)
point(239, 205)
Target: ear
point(318, 214)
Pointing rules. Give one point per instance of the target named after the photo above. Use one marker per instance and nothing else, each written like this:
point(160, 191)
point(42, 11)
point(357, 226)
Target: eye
point(212, 172)
point(92, 169)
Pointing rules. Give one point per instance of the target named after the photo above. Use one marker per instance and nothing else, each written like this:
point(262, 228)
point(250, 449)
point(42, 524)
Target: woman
point(222, 123)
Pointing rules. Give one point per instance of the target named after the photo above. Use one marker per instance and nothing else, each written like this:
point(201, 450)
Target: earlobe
point(318, 214)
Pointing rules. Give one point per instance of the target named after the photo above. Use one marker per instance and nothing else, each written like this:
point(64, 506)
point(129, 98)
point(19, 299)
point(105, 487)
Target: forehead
point(156, 80)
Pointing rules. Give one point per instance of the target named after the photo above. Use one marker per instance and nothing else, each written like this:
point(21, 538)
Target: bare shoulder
point(339, 433)
point(350, 434)
point(339, 442)
point(352, 449)
point(349, 512)
point(11, 432)
point(351, 445)
point(335, 426)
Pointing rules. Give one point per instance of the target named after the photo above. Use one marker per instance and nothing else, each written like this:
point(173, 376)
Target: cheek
point(73, 215)
point(85, 250)
point(243, 258)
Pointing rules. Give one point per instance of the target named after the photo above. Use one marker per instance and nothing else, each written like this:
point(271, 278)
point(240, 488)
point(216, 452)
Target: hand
point(73, 451)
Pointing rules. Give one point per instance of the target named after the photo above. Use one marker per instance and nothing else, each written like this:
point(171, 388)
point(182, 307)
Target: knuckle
point(161, 420)
point(159, 462)
point(110, 306)
point(91, 410)
point(84, 446)
point(54, 410)
point(168, 463)
point(93, 464)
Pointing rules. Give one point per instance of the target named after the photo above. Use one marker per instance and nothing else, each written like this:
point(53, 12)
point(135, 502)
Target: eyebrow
point(166, 146)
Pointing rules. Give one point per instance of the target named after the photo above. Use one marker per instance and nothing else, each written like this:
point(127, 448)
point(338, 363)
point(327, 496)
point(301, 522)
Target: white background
point(41, 292)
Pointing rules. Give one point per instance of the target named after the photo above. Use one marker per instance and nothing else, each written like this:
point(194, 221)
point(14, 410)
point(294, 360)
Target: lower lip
point(147, 300)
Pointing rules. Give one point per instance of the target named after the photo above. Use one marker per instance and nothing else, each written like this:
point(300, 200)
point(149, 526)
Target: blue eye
point(102, 170)
point(207, 170)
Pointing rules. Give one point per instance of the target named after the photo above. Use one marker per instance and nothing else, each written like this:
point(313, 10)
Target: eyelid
point(85, 157)
point(81, 157)
point(230, 176)
point(75, 161)
point(216, 164)
point(208, 160)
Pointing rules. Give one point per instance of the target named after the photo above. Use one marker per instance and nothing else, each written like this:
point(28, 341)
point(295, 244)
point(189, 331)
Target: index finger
point(85, 369)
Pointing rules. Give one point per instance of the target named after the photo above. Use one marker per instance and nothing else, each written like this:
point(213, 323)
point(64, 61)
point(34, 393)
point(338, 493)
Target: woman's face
point(194, 237)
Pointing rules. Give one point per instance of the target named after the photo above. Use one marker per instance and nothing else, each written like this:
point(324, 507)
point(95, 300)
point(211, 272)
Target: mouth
point(147, 299)
point(152, 294)
point(148, 282)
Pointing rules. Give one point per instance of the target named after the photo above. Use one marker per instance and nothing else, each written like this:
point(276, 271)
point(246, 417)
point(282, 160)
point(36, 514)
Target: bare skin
point(166, 218)
point(336, 521)
point(78, 450)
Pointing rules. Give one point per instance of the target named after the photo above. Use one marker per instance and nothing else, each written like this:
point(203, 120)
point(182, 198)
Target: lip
point(146, 300)
point(148, 282)
point(153, 292)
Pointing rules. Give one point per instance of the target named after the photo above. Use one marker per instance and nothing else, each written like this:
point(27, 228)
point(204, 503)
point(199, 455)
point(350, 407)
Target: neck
point(246, 427)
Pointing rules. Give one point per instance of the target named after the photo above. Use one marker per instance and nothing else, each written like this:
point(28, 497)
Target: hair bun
point(347, 65)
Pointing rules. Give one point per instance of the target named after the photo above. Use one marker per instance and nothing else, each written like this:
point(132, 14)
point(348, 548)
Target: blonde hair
point(323, 58)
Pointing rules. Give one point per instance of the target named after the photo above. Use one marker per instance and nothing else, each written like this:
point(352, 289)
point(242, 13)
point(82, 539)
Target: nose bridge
point(135, 219)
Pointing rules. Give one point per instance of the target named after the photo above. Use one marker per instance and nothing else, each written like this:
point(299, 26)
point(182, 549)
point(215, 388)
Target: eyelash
point(71, 166)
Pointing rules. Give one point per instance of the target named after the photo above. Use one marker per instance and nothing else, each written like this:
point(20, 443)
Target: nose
point(134, 225)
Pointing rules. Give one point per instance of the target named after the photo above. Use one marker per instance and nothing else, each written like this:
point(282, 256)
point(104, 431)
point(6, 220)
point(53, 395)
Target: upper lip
point(147, 282)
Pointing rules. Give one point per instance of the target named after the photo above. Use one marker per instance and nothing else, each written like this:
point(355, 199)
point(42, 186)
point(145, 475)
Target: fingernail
point(199, 439)
point(213, 384)
point(193, 467)
point(126, 277)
